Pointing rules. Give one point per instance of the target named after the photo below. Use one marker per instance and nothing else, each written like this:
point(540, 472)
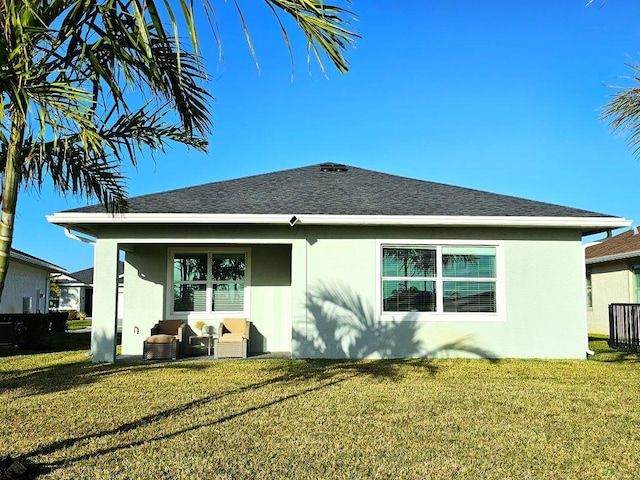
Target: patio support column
point(105, 301)
point(299, 290)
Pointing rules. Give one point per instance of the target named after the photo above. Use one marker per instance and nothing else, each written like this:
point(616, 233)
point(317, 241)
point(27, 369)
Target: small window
point(190, 282)
point(228, 271)
point(409, 279)
point(469, 275)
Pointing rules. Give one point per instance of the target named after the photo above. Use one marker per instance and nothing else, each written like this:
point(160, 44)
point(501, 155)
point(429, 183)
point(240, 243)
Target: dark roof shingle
point(356, 191)
point(86, 276)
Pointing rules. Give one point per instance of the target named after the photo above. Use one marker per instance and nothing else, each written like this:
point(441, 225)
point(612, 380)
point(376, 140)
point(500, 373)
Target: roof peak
point(331, 188)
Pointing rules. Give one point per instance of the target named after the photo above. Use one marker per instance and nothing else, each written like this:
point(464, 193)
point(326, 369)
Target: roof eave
point(586, 224)
point(37, 262)
point(613, 257)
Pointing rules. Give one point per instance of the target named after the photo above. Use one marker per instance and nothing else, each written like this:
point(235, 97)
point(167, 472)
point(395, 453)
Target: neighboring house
point(26, 288)
point(76, 291)
point(613, 276)
point(335, 261)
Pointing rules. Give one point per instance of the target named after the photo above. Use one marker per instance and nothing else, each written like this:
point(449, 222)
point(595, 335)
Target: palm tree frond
point(623, 112)
point(72, 172)
point(324, 25)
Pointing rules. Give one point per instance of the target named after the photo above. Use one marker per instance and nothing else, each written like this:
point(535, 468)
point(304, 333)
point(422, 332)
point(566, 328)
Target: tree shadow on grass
point(604, 353)
point(59, 368)
point(53, 342)
point(293, 380)
point(56, 376)
point(310, 376)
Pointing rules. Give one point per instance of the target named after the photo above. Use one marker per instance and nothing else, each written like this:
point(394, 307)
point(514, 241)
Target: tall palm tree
point(89, 84)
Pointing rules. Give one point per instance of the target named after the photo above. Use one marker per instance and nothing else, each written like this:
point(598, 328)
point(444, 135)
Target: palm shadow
point(343, 325)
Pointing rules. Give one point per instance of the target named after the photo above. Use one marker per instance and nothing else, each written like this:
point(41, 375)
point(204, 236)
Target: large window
point(209, 282)
point(439, 278)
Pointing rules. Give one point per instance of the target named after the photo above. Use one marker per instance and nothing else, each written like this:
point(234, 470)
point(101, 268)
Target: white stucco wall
point(25, 280)
point(542, 282)
point(145, 271)
point(105, 294)
point(319, 285)
point(76, 298)
point(610, 283)
point(71, 298)
point(271, 308)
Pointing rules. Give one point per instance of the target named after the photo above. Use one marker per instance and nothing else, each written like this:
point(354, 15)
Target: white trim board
point(586, 223)
point(499, 316)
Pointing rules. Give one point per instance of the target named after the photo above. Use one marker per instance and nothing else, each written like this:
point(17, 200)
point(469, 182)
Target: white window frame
point(633, 286)
point(440, 315)
point(209, 314)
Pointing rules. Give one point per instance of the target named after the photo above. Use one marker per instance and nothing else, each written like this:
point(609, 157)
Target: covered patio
point(196, 282)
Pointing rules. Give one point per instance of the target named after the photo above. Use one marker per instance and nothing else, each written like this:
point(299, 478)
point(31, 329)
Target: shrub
point(58, 321)
point(33, 330)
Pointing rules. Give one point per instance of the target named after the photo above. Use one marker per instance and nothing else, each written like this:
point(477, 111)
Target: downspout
point(73, 236)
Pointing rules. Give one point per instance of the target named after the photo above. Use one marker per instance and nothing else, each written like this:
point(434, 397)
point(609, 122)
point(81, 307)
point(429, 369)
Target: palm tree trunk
point(10, 187)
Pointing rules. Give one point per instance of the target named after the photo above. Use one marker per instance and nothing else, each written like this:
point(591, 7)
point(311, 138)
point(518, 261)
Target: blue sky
point(500, 96)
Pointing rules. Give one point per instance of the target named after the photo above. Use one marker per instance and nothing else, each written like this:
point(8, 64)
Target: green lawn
point(522, 419)
point(78, 324)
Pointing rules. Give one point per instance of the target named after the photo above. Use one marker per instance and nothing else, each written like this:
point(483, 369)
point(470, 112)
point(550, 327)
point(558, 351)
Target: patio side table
point(203, 341)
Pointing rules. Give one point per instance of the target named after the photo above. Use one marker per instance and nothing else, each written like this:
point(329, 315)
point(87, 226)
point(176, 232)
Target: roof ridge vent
point(333, 167)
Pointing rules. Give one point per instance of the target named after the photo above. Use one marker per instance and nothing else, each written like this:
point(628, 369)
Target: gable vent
point(333, 167)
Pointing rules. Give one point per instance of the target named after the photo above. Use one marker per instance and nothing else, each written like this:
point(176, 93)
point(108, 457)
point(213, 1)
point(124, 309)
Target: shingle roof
point(356, 191)
point(25, 257)
point(81, 276)
point(86, 276)
point(624, 245)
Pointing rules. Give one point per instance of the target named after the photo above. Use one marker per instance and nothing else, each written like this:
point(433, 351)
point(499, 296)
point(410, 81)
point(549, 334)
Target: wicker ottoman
point(231, 350)
point(160, 347)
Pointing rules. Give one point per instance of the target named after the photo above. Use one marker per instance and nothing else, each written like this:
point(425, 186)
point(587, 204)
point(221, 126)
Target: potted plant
point(200, 324)
point(209, 331)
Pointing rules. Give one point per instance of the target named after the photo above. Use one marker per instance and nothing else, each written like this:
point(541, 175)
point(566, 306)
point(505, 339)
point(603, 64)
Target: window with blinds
point(469, 279)
point(439, 278)
point(209, 282)
point(409, 279)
